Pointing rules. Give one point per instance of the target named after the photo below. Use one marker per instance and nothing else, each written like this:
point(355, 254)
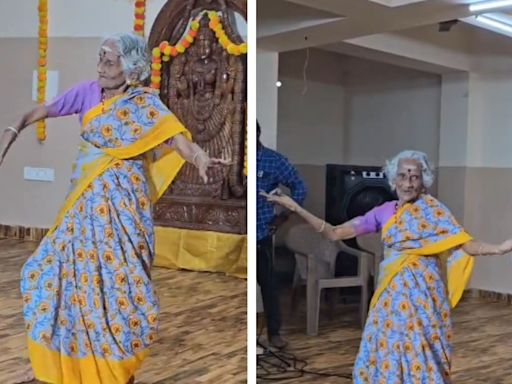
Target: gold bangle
point(13, 130)
point(196, 155)
point(322, 227)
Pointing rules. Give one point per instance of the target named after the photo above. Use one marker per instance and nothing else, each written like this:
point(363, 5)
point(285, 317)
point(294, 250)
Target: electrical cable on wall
point(304, 72)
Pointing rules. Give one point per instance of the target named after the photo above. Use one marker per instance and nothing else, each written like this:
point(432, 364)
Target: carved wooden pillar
point(206, 88)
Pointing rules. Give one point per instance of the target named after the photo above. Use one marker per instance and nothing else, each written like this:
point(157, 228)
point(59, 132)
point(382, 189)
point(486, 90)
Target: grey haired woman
point(90, 308)
point(407, 336)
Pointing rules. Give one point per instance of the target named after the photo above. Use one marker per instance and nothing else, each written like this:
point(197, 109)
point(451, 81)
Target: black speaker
point(352, 191)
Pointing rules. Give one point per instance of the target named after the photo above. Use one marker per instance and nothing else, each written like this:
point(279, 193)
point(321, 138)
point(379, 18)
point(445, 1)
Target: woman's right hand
point(281, 199)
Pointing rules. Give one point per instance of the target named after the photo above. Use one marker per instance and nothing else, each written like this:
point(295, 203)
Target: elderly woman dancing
point(89, 305)
point(408, 333)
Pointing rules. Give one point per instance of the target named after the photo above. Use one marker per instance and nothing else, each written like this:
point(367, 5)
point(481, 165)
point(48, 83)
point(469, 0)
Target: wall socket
point(39, 174)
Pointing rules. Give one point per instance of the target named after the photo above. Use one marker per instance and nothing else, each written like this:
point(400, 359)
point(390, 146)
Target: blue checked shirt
point(273, 169)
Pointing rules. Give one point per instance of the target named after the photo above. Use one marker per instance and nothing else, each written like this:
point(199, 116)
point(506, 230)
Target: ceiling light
point(491, 23)
point(488, 5)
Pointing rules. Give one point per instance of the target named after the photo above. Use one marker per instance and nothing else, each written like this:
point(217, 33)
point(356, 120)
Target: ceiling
point(295, 24)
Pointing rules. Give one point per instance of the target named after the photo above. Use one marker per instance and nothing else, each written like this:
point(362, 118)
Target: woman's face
point(110, 69)
point(409, 180)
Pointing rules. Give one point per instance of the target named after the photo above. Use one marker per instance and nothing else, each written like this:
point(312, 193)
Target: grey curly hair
point(391, 167)
point(133, 52)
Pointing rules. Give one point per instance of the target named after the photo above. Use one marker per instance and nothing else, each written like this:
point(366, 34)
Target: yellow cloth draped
point(177, 248)
point(445, 247)
point(161, 171)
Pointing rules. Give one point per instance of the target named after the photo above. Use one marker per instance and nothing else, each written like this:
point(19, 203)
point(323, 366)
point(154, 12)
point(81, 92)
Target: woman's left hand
point(203, 162)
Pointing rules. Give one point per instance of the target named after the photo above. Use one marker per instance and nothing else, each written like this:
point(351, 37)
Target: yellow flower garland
point(165, 51)
point(42, 64)
point(216, 25)
point(140, 17)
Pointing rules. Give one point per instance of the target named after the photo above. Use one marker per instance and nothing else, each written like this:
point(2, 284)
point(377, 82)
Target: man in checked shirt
point(273, 169)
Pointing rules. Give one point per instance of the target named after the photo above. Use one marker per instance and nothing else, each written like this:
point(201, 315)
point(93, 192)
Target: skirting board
point(22, 233)
point(489, 295)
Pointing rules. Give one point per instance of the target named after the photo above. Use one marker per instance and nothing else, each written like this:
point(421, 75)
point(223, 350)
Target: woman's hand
point(194, 154)
point(283, 200)
point(202, 162)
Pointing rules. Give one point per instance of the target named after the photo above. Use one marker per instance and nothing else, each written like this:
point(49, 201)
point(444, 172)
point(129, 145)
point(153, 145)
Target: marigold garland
point(165, 51)
point(42, 64)
point(216, 25)
point(140, 17)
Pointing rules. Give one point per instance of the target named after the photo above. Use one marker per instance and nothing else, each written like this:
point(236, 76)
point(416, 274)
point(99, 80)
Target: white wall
point(311, 110)
point(454, 120)
point(266, 100)
point(390, 109)
point(490, 120)
point(451, 170)
point(91, 18)
point(355, 111)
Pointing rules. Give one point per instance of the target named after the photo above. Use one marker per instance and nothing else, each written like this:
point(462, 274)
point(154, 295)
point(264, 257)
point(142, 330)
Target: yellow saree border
point(162, 171)
point(392, 219)
point(409, 256)
point(461, 268)
point(388, 273)
point(99, 109)
point(441, 246)
point(56, 368)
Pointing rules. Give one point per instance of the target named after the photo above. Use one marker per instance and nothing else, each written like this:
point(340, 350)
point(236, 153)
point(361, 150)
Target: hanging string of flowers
point(216, 26)
point(165, 51)
point(140, 17)
point(42, 69)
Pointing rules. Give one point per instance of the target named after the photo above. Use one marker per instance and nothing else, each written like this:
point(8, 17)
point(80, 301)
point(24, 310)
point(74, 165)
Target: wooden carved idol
point(205, 87)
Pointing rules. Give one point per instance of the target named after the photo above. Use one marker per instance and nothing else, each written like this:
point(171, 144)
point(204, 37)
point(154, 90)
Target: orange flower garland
point(165, 51)
point(216, 26)
point(140, 17)
point(42, 68)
